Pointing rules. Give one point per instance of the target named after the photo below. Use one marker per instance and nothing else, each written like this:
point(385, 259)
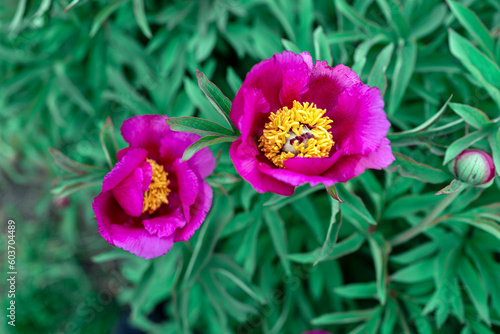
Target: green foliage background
point(66, 66)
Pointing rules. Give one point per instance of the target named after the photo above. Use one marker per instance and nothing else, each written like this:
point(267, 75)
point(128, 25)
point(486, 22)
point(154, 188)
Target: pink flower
point(151, 199)
point(474, 167)
point(303, 123)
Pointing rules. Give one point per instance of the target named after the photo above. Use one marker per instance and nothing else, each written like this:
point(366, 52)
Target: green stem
point(428, 221)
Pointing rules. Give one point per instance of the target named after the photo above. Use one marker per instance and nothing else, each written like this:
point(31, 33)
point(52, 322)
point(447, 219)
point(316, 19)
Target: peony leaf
point(459, 145)
point(321, 48)
point(278, 236)
point(71, 165)
point(108, 142)
point(330, 239)
point(377, 77)
point(102, 16)
point(380, 250)
point(471, 115)
point(403, 71)
point(357, 290)
point(494, 140)
point(204, 142)
point(470, 279)
point(420, 171)
point(355, 203)
point(140, 17)
point(344, 36)
point(197, 125)
point(348, 317)
point(414, 273)
point(474, 26)
point(290, 46)
point(218, 100)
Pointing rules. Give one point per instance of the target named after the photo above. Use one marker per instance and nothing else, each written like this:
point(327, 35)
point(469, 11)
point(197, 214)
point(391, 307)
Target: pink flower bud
point(474, 167)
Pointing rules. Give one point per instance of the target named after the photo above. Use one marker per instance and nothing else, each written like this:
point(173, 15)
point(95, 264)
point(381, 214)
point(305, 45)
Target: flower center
point(158, 190)
point(300, 131)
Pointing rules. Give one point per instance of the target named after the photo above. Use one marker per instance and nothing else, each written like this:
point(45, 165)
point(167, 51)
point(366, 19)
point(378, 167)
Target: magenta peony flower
point(151, 198)
point(303, 123)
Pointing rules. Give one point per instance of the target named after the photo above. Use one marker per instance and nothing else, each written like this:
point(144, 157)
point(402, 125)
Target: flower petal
point(327, 83)
point(245, 156)
point(145, 131)
point(187, 185)
point(129, 193)
point(199, 211)
point(131, 160)
point(359, 120)
point(165, 225)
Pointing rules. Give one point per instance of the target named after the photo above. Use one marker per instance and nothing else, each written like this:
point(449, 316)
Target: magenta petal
point(188, 186)
point(359, 120)
point(297, 179)
point(272, 78)
point(130, 161)
point(105, 207)
point(327, 83)
point(129, 193)
point(255, 111)
point(199, 211)
point(165, 225)
point(351, 166)
point(140, 242)
point(173, 147)
point(145, 131)
point(311, 166)
point(245, 159)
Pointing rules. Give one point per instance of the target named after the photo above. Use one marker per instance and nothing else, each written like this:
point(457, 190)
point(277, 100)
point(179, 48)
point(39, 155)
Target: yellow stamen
point(300, 131)
point(158, 190)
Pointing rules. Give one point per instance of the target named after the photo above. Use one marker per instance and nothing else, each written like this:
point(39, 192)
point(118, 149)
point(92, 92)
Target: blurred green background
point(65, 66)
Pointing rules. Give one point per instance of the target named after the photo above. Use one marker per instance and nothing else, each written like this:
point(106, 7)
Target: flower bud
point(474, 167)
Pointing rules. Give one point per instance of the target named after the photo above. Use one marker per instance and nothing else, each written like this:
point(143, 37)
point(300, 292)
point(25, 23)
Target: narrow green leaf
point(415, 253)
point(15, 24)
point(290, 46)
point(414, 273)
point(72, 91)
point(348, 317)
point(218, 100)
point(204, 142)
point(459, 145)
point(140, 17)
point(377, 76)
point(486, 225)
point(409, 204)
point(102, 16)
point(406, 57)
point(197, 125)
point(278, 201)
point(474, 26)
point(278, 235)
point(380, 250)
point(356, 18)
point(331, 239)
point(344, 36)
point(430, 122)
point(70, 165)
point(355, 203)
point(321, 47)
point(416, 170)
point(108, 142)
point(471, 115)
point(494, 140)
point(470, 279)
point(357, 290)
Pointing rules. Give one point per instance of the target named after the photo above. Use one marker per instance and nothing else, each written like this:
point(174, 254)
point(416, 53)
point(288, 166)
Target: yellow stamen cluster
point(158, 190)
point(287, 125)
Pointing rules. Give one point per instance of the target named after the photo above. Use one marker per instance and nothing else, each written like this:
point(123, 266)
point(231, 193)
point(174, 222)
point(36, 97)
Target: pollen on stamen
point(158, 190)
point(299, 131)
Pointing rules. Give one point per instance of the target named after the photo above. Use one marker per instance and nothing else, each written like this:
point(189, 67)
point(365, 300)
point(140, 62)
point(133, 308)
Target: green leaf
point(472, 116)
point(394, 17)
point(197, 125)
point(204, 142)
point(415, 253)
point(72, 166)
point(494, 140)
point(486, 225)
point(355, 203)
point(483, 69)
point(409, 204)
point(102, 16)
point(15, 24)
point(357, 290)
point(348, 317)
point(330, 240)
point(414, 273)
point(377, 76)
point(355, 17)
point(406, 56)
point(218, 100)
point(108, 142)
point(460, 145)
point(454, 186)
point(430, 122)
point(416, 170)
point(344, 36)
point(278, 201)
point(470, 279)
point(140, 17)
point(290, 46)
point(321, 47)
point(278, 236)
point(380, 250)
point(72, 91)
point(474, 26)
